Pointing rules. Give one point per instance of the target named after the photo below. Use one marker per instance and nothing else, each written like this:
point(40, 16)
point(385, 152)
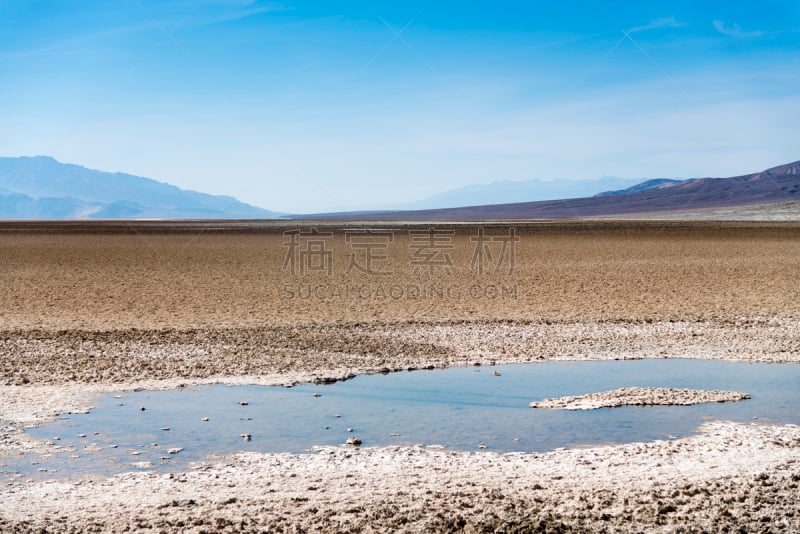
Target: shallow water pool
point(460, 408)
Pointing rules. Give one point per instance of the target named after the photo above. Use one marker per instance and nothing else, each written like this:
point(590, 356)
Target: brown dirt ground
point(115, 302)
point(89, 307)
point(178, 277)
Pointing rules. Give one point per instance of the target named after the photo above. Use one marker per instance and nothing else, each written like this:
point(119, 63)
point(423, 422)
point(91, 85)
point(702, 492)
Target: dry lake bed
point(207, 376)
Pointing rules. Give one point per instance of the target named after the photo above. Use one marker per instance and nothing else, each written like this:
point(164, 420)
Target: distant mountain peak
point(790, 169)
point(647, 185)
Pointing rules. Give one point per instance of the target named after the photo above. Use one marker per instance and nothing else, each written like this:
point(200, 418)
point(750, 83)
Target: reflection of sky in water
point(458, 408)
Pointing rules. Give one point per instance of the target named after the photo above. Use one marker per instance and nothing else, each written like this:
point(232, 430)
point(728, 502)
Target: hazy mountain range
point(776, 185)
point(42, 188)
point(508, 191)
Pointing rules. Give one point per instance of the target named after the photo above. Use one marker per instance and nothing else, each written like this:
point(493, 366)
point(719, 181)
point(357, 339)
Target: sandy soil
point(638, 396)
point(89, 309)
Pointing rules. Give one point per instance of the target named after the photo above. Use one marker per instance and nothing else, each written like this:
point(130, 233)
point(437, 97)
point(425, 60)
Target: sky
point(334, 105)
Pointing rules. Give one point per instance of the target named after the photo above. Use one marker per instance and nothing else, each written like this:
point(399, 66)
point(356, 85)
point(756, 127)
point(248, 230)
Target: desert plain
point(91, 308)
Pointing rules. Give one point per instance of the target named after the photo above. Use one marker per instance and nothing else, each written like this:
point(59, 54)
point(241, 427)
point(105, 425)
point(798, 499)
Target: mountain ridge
point(508, 191)
point(42, 187)
point(647, 185)
point(776, 184)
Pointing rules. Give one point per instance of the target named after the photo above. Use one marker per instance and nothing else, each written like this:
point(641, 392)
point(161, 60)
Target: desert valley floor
point(92, 308)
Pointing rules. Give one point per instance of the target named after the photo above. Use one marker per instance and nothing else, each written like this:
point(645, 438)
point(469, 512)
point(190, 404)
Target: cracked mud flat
point(93, 310)
point(637, 396)
point(730, 477)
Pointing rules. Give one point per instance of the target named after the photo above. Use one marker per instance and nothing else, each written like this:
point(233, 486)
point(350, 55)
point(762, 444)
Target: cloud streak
point(735, 31)
point(657, 24)
point(220, 12)
point(65, 44)
point(242, 12)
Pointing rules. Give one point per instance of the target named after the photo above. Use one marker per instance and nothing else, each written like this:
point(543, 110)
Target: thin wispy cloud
point(70, 43)
point(657, 24)
point(244, 11)
point(735, 31)
point(210, 12)
point(218, 11)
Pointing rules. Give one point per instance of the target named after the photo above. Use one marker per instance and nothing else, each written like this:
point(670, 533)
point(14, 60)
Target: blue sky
point(307, 106)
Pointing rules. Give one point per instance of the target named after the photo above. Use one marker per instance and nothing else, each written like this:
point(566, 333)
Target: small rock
point(316, 395)
point(175, 450)
point(349, 429)
point(164, 428)
point(142, 409)
point(243, 403)
point(666, 509)
point(482, 446)
point(81, 435)
point(204, 419)
point(353, 440)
